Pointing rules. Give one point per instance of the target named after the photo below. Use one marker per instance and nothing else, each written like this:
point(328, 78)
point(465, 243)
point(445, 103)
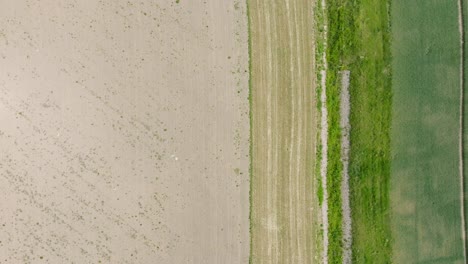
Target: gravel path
point(345, 127)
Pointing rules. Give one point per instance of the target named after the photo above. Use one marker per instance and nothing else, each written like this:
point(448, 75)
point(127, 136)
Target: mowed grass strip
point(359, 41)
point(283, 123)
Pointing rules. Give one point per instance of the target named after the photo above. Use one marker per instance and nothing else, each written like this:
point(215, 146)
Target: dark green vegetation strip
point(425, 185)
point(359, 41)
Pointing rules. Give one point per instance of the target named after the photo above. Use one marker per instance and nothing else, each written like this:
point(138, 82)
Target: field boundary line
point(323, 165)
point(461, 141)
point(249, 50)
point(324, 136)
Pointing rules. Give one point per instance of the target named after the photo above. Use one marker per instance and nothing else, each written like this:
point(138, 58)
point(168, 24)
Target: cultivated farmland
point(283, 116)
point(426, 180)
point(244, 131)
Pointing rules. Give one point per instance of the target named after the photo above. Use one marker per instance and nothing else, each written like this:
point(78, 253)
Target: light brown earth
point(124, 132)
point(284, 208)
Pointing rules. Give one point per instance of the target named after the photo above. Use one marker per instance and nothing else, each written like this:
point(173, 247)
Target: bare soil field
point(284, 209)
point(125, 132)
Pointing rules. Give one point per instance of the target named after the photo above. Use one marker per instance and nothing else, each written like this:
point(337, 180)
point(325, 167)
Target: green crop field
point(425, 185)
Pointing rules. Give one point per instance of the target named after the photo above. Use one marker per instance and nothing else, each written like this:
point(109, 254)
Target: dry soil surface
point(124, 131)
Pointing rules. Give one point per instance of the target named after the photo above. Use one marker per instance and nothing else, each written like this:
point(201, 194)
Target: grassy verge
point(320, 44)
point(358, 40)
point(339, 38)
point(319, 19)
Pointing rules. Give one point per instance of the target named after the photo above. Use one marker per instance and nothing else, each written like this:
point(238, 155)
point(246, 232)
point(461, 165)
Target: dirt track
point(284, 124)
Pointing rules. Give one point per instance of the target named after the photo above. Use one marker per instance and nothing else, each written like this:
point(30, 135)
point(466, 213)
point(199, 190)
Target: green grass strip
point(359, 41)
